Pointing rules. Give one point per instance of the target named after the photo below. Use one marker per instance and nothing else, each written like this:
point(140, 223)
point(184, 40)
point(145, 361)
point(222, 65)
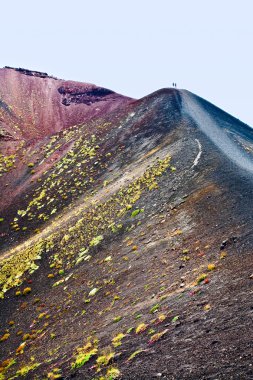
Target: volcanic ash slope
point(126, 234)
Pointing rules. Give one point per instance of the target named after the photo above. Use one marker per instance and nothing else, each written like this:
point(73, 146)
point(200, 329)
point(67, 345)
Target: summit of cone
point(125, 234)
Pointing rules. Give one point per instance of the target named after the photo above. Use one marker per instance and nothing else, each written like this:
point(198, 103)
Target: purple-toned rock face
point(33, 104)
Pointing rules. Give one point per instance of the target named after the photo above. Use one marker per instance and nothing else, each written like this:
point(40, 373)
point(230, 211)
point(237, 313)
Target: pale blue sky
point(137, 47)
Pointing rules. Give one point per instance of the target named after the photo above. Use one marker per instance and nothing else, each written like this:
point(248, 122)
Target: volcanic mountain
point(126, 234)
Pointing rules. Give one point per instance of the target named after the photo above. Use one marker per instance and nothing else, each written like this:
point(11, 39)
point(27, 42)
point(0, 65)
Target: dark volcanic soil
point(127, 247)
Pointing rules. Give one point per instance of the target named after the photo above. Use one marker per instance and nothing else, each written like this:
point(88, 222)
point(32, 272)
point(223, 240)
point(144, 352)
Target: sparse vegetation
point(141, 328)
point(4, 337)
point(84, 354)
point(108, 248)
point(154, 338)
point(134, 354)
point(116, 341)
point(23, 371)
point(211, 266)
point(201, 278)
point(117, 319)
point(154, 308)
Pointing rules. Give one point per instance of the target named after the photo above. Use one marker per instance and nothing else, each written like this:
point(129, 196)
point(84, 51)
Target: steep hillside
point(33, 107)
point(126, 242)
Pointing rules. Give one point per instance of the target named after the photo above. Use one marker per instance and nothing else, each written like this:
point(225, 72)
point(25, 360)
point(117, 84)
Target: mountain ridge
point(126, 245)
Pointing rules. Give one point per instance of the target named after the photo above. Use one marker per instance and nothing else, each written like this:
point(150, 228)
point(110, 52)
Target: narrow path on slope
point(196, 161)
point(208, 125)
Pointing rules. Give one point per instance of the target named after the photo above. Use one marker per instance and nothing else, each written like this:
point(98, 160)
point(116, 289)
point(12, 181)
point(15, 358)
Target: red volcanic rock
point(35, 105)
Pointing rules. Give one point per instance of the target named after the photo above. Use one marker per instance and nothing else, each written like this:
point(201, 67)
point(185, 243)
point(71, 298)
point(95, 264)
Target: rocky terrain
point(125, 234)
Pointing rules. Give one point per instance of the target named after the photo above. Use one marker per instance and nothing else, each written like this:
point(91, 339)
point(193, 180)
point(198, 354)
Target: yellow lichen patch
point(154, 338)
point(20, 349)
point(4, 337)
point(134, 354)
point(161, 318)
point(6, 163)
point(211, 266)
point(23, 371)
point(105, 358)
point(112, 373)
point(116, 341)
point(27, 291)
point(141, 328)
point(85, 353)
point(207, 307)
point(201, 278)
point(4, 366)
point(176, 232)
point(55, 374)
point(223, 255)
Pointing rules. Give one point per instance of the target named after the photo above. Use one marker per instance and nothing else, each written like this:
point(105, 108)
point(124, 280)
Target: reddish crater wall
point(33, 104)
